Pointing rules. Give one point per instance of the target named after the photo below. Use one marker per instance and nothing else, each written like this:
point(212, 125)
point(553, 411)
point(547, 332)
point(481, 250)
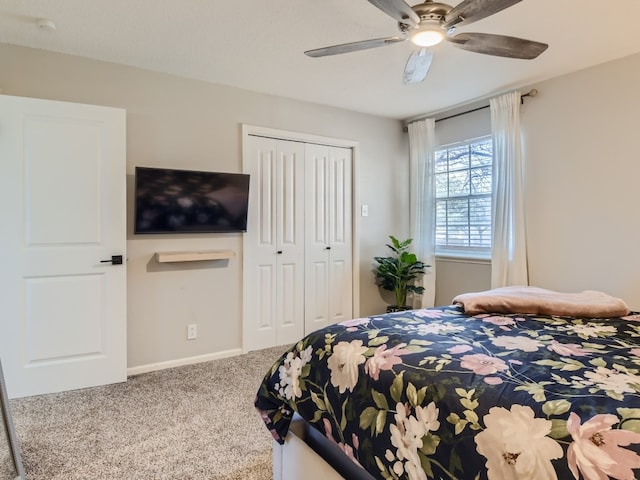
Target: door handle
point(327, 248)
point(115, 260)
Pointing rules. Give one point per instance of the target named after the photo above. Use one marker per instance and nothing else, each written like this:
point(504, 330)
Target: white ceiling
point(258, 45)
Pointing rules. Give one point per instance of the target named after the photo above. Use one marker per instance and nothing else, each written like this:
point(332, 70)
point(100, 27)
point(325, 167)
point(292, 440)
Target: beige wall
point(582, 177)
point(582, 174)
point(181, 123)
point(456, 276)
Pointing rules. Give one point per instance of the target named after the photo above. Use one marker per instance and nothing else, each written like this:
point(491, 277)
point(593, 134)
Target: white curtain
point(509, 251)
point(422, 204)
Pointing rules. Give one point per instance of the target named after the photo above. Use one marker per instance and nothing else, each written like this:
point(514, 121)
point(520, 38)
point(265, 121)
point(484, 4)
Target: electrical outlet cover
point(192, 331)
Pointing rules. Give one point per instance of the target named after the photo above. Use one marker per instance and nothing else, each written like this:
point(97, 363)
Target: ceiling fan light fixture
point(427, 36)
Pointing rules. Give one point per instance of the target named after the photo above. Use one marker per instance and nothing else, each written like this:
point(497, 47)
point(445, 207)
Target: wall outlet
point(192, 331)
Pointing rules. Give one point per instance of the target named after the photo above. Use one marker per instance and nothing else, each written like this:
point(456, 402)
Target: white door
point(273, 272)
point(340, 236)
point(62, 209)
point(328, 265)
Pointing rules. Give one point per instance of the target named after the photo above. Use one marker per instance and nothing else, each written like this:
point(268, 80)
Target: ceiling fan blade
point(353, 46)
point(398, 9)
point(473, 10)
point(417, 66)
point(499, 45)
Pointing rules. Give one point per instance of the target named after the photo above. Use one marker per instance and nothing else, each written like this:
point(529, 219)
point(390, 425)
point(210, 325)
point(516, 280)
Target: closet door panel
point(317, 239)
point(340, 195)
point(273, 282)
point(317, 295)
point(288, 319)
point(340, 291)
point(264, 297)
point(328, 236)
point(260, 244)
point(340, 236)
point(266, 197)
point(290, 242)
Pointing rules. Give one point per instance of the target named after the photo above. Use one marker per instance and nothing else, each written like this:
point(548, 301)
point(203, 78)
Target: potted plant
point(397, 273)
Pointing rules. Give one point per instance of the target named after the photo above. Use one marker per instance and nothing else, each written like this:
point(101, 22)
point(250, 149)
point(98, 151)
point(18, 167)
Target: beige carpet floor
point(191, 422)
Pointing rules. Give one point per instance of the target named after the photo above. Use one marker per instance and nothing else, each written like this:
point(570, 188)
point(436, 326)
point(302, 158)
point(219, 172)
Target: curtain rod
point(531, 93)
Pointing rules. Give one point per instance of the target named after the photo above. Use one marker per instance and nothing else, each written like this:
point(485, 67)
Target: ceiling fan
point(429, 23)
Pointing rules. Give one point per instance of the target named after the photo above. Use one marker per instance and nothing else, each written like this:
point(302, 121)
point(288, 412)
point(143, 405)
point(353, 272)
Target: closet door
point(274, 244)
point(340, 237)
point(328, 270)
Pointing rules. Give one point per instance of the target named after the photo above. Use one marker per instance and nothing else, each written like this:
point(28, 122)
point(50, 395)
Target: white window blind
point(463, 198)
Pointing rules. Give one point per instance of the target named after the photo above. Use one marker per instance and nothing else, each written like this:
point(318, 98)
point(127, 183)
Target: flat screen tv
point(188, 201)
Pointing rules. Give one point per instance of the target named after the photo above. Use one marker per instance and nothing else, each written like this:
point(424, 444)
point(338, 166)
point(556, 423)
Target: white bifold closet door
point(297, 265)
point(273, 278)
point(328, 266)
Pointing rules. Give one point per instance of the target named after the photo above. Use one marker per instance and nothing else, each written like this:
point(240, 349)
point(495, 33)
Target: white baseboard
point(152, 367)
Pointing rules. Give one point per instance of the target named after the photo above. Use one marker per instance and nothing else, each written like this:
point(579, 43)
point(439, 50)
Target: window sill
point(461, 259)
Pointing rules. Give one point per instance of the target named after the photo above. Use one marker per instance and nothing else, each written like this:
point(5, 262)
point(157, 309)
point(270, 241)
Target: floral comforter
point(435, 393)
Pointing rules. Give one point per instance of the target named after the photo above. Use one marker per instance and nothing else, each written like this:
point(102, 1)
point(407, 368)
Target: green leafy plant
point(397, 273)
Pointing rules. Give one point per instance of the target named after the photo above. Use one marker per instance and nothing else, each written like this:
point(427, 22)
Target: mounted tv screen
point(187, 201)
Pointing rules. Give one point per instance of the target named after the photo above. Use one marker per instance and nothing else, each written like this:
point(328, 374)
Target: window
point(463, 198)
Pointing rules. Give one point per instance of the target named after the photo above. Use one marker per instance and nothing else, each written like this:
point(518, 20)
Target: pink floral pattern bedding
point(435, 393)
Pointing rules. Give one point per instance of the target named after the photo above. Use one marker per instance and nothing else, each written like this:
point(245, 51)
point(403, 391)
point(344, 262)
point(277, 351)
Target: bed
point(458, 392)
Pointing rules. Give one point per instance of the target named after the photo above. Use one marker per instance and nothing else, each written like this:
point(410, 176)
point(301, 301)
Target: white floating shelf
point(194, 256)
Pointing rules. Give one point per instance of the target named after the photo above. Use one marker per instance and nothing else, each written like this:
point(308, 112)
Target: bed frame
point(308, 454)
